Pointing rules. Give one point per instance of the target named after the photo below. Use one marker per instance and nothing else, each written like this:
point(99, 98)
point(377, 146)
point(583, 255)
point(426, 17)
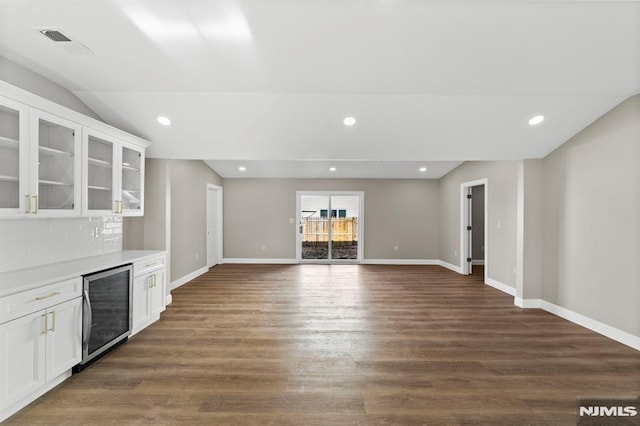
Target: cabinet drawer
point(149, 265)
point(29, 301)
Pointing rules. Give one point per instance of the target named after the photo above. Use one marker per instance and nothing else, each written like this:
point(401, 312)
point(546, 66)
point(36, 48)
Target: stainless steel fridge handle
point(87, 320)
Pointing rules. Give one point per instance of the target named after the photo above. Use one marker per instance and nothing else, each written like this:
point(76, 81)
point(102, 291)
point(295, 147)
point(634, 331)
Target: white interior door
point(214, 225)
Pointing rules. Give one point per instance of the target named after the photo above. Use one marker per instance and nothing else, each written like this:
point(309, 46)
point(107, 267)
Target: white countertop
point(25, 279)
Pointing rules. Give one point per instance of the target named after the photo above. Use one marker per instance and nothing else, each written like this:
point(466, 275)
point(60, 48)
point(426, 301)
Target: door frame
point(220, 238)
point(465, 210)
point(298, 221)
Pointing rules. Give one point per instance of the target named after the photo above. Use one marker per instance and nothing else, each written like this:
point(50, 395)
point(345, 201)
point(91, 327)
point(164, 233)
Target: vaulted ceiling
point(267, 83)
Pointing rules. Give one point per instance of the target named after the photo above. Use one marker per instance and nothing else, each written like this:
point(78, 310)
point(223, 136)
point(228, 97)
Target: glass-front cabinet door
point(55, 177)
point(132, 180)
point(100, 177)
point(14, 158)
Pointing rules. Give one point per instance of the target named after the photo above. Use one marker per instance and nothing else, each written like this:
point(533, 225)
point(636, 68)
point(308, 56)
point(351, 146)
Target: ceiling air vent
point(54, 35)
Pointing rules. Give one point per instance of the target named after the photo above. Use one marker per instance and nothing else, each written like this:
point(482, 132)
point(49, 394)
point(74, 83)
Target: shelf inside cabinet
point(130, 169)
point(54, 183)
point(99, 188)
point(8, 179)
point(52, 151)
point(9, 143)
point(100, 163)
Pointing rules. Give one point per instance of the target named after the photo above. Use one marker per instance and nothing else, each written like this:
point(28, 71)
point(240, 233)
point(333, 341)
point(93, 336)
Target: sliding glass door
point(329, 227)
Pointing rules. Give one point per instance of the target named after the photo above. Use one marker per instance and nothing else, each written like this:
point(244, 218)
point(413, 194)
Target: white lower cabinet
point(149, 287)
point(22, 357)
point(64, 338)
point(41, 331)
point(36, 350)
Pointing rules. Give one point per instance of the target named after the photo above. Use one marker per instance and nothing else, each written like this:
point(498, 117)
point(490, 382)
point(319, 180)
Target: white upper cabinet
point(14, 157)
point(55, 162)
point(132, 180)
point(100, 177)
point(113, 176)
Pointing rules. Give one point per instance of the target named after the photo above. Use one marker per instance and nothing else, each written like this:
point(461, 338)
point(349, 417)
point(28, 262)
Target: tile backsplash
point(33, 242)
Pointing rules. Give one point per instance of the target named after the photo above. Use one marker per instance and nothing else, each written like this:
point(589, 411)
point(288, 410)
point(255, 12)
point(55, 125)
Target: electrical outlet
point(499, 224)
point(263, 248)
point(395, 248)
point(292, 220)
point(455, 252)
point(197, 256)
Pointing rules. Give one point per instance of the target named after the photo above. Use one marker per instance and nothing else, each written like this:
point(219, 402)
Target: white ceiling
point(267, 83)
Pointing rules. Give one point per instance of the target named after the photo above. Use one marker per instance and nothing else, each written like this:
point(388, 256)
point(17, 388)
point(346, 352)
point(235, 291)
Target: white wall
point(33, 242)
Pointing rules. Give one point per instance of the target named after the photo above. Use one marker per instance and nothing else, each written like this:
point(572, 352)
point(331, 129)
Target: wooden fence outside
point(316, 229)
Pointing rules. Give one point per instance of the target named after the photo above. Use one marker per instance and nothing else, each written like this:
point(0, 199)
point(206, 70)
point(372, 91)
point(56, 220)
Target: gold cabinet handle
point(53, 321)
point(115, 206)
point(148, 265)
point(35, 211)
point(150, 281)
point(120, 208)
point(28, 197)
point(55, 293)
point(46, 323)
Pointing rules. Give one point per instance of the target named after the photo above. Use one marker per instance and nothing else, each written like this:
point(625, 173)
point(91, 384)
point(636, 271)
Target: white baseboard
point(528, 303)
point(168, 299)
point(593, 325)
point(478, 262)
point(185, 279)
point(448, 265)
point(401, 262)
point(501, 286)
point(259, 260)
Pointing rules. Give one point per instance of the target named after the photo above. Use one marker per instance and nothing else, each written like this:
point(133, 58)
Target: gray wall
point(532, 227)
point(502, 189)
point(189, 180)
point(591, 227)
point(175, 214)
point(152, 232)
point(23, 78)
point(397, 212)
point(477, 220)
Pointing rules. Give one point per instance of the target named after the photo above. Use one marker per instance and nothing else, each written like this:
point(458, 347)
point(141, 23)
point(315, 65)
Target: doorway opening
point(474, 230)
point(214, 225)
point(330, 226)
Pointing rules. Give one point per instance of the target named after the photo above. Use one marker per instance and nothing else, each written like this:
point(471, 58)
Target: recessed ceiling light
point(332, 169)
point(164, 121)
point(534, 121)
point(349, 121)
point(242, 168)
point(423, 169)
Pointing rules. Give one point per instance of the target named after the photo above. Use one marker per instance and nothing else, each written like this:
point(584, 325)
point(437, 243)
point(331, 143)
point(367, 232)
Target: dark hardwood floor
point(344, 344)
